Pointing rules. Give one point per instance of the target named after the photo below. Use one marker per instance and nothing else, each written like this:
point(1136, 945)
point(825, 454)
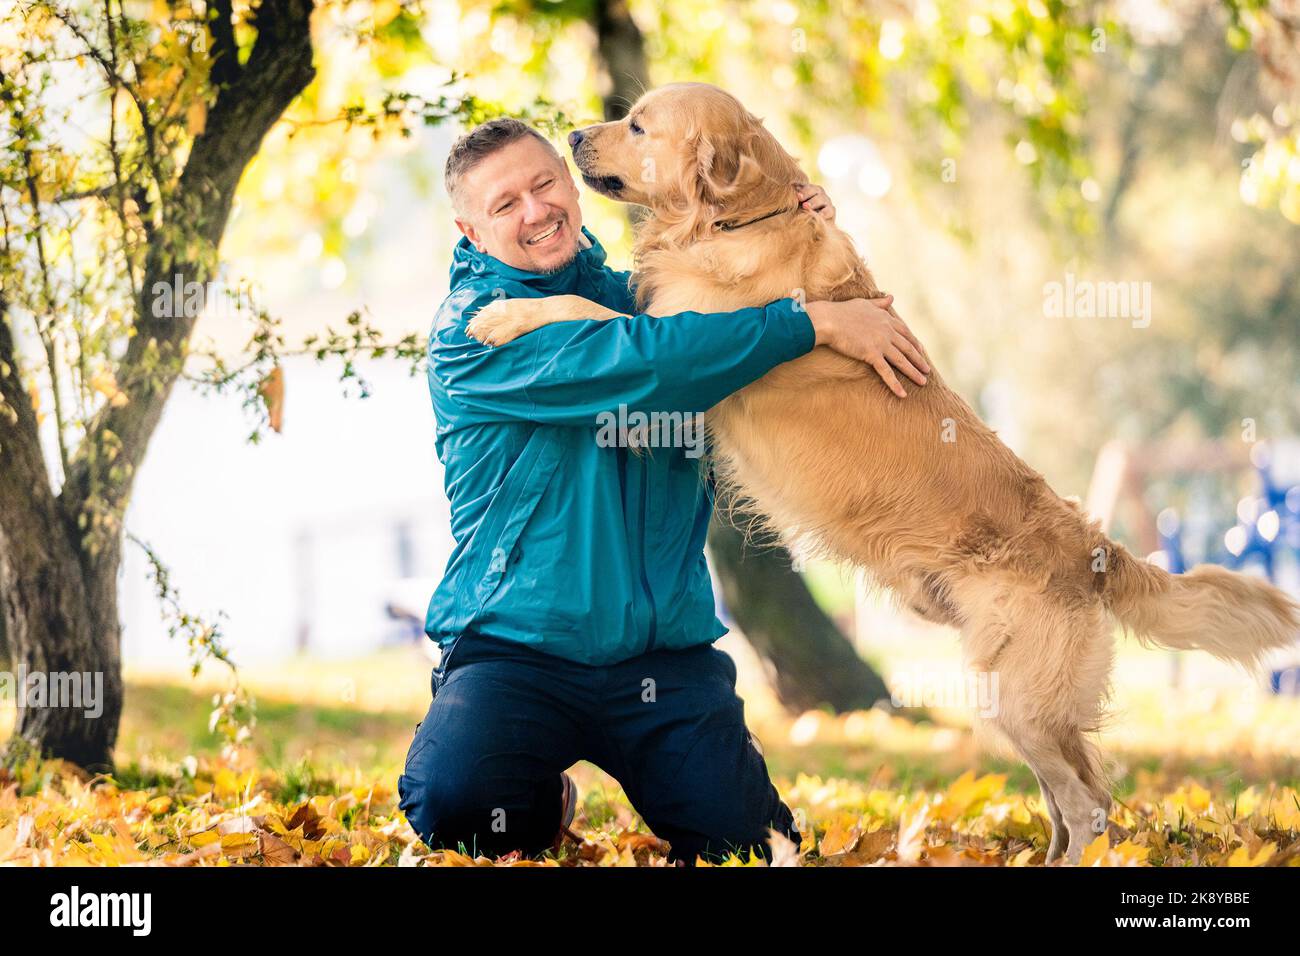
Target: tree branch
point(24, 479)
point(194, 216)
point(43, 328)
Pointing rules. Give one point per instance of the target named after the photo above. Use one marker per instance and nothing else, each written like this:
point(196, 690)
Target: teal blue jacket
point(566, 542)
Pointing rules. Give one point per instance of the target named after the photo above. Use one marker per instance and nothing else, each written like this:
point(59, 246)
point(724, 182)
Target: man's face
point(521, 206)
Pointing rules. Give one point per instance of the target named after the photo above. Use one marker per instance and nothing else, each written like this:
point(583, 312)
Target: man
point(576, 614)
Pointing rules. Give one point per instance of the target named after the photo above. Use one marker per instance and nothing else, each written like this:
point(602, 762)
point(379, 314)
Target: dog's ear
point(695, 200)
point(741, 165)
point(733, 167)
point(718, 161)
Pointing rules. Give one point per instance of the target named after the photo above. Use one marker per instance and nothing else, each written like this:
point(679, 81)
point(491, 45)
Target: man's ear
point(466, 227)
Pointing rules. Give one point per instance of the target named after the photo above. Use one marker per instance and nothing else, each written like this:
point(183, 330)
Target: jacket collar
point(468, 264)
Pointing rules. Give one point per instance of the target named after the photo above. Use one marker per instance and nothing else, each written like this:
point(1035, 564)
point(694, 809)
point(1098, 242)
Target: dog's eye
point(635, 127)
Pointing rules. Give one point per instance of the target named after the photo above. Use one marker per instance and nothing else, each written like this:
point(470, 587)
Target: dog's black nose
point(575, 138)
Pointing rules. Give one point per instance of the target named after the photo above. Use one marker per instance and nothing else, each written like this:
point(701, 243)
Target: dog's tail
point(1232, 616)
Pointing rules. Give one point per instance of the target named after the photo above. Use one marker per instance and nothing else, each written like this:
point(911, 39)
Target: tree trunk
point(4, 642)
point(60, 593)
point(815, 664)
point(56, 625)
point(620, 49)
point(66, 644)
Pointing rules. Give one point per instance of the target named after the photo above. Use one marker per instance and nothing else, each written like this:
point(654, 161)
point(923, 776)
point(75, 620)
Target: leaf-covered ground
point(1203, 777)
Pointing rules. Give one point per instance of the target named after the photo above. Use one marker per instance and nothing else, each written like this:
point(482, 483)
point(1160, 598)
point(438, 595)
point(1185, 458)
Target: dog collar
point(731, 226)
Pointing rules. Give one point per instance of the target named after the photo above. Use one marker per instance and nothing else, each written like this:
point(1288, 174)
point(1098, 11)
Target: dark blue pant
point(484, 767)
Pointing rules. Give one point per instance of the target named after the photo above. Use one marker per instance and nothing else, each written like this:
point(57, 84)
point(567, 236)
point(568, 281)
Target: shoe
point(568, 809)
point(568, 802)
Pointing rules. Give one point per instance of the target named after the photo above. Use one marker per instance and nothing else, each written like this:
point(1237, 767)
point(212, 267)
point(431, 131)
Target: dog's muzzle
point(584, 159)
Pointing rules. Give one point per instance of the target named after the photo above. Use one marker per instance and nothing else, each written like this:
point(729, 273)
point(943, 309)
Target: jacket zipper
point(645, 581)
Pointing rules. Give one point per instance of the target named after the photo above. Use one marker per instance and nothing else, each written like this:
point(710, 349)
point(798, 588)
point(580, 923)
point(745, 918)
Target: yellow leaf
point(1290, 203)
point(104, 383)
point(1284, 808)
point(227, 783)
point(321, 804)
point(1241, 856)
point(1095, 852)
point(1247, 803)
point(1207, 824)
point(838, 839)
point(196, 117)
point(385, 11)
point(967, 795)
point(1198, 798)
point(327, 847)
point(452, 858)
point(1129, 853)
point(1023, 857)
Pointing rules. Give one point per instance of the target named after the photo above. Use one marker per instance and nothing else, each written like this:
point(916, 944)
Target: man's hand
point(863, 329)
point(814, 199)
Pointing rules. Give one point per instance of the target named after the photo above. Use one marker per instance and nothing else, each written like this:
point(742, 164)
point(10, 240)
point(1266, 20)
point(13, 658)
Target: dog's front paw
point(502, 321)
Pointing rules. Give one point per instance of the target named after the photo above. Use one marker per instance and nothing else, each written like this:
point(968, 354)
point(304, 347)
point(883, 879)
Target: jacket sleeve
point(622, 287)
point(569, 372)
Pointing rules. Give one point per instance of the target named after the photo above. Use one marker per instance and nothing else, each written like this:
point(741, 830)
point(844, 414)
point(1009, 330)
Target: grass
point(1204, 773)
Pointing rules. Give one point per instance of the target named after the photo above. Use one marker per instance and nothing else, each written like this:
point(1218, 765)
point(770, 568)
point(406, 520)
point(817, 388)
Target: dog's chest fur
point(771, 438)
point(806, 261)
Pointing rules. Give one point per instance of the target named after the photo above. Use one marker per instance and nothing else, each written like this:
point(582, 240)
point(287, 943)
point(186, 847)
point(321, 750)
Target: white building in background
point(302, 540)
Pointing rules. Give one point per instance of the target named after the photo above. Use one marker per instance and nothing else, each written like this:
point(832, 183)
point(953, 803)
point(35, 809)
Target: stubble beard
point(560, 267)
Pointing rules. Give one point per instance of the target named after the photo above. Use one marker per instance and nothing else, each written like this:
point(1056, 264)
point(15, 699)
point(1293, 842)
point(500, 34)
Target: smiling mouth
point(606, 185)
point(543, 236)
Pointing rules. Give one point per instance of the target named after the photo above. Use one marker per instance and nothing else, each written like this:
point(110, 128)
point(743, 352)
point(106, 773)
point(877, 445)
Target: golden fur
point(917, 491)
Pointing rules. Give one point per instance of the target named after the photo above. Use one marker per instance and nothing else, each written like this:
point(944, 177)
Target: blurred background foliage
point(977, 151)
point(984, 149)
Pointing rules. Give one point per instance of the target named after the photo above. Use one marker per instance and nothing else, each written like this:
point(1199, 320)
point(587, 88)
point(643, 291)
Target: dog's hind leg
point(1085, 757)
point(1056, 847)
point(1077, 805)
point(1051, 660)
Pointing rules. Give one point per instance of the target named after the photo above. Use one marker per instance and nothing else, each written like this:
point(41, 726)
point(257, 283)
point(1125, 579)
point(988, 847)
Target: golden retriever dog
point(917, 491)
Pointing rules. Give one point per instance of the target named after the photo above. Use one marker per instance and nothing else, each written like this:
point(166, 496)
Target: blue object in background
point(1267, 527)
point(1285, 681)
point(1170, 529)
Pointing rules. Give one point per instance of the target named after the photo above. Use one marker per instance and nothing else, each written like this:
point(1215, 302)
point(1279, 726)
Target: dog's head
point(693, 154)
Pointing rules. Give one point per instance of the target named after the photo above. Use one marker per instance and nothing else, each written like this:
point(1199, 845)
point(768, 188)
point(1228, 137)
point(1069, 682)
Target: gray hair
point(480, 142)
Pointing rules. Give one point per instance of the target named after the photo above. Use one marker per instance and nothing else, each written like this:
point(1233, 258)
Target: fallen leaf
point(272, 391)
